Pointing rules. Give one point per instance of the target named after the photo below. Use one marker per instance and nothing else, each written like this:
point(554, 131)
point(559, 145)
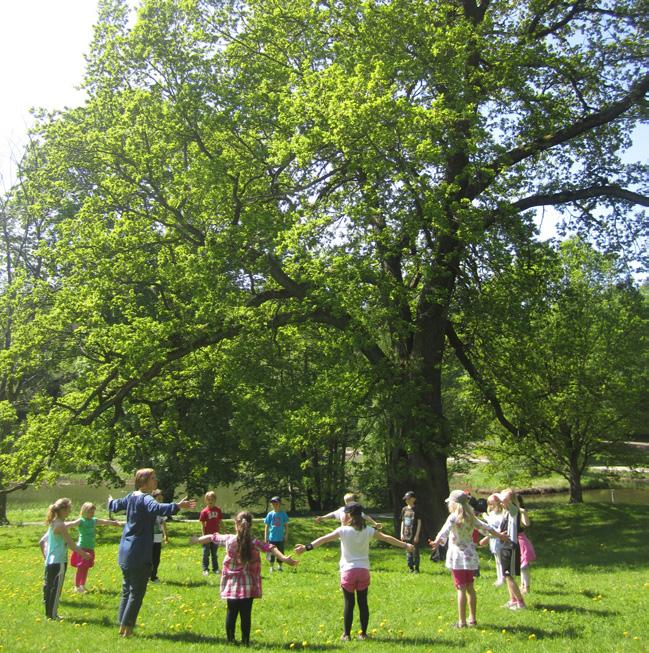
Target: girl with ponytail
point(54, 546)
point(355, 537)
point(241, 572)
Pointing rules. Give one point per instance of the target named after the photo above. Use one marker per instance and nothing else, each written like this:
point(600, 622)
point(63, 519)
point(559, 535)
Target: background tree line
point(277, 232)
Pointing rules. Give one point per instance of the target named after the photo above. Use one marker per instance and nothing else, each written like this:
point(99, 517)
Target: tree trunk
point(576, 495)
point(421, 436)
point(3, 510)
point(425, 473)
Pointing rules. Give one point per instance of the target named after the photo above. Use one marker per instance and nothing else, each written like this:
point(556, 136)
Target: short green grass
point(590, 594)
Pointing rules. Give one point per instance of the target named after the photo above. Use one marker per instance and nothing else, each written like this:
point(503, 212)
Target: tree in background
point(562, 340)
point(245, 167)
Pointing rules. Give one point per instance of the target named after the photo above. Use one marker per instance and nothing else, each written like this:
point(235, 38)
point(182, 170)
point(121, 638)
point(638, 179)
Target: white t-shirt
point(354, 547)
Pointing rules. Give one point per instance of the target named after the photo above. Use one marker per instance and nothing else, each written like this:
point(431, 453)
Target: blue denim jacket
point(136, 545)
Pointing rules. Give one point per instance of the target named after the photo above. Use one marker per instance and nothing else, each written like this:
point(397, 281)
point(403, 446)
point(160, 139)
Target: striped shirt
point(240, 581)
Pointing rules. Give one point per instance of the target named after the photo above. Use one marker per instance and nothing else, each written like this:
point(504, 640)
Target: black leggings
point(363, 610)
point(238, 607)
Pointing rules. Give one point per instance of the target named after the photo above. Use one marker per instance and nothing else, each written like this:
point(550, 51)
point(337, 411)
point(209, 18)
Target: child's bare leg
point(473, 602)
point(525, 579)
point(514, 592)
point(461, 606)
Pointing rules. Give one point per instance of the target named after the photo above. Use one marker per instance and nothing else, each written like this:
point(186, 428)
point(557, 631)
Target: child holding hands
point(355, 539)
point(510, 558)
point(54, 546)
point(241, 572)
point(86, 523)
point(495, 516)
point(461, 557)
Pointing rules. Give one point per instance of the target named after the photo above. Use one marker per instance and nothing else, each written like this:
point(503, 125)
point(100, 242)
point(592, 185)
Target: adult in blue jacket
point(136, 546)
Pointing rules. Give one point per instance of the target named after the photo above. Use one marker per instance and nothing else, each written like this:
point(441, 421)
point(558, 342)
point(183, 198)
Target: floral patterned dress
point(461, 552)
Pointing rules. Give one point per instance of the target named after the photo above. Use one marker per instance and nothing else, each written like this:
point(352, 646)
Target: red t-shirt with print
point(211, 518)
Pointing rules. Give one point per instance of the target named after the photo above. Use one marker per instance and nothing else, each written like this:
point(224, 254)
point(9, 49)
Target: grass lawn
point(590, 594)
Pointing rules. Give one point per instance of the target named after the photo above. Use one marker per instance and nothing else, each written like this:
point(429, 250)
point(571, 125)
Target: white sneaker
point(499, 582)
point(205, 572)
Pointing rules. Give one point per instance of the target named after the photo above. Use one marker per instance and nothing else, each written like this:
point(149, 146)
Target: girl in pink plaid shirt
point(241, 572)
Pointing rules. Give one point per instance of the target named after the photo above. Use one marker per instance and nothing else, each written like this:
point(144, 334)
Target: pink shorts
point(528, 554)
point(355, 580)
point(463, 577)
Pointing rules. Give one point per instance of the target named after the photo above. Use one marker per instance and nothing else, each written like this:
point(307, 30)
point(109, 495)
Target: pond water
point(621, 495)
point(32, 502)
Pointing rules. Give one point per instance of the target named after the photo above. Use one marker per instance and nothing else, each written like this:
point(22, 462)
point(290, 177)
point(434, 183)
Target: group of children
point(241, 567)
point(54, 547)
point(512, 549)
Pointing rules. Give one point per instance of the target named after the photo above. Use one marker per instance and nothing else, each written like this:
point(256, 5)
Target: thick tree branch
point(488, 393)
point(614, 191)
point(559, 137)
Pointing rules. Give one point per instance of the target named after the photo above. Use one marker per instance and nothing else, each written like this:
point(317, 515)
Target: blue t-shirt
point(136, 545)
point(276, 522)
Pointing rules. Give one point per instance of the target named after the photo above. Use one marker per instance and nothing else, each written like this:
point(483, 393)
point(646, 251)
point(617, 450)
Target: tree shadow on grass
point(185, 583)
point(394, 642)
point(558, 607)
point(540, 633)
point(187, 637)
point(102, 590)
point(97, 621)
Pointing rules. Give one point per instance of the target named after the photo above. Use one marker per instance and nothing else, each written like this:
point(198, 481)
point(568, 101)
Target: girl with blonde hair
point(87, 524)
point(495, 516)
point(54, 545)
point(462, 557)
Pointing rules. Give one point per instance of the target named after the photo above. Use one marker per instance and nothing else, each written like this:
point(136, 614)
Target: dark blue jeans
point(209, 551)
point(134, 583)
point(413, 558)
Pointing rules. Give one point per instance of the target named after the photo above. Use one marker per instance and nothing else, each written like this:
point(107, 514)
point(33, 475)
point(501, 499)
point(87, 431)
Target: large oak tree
point(244, 166)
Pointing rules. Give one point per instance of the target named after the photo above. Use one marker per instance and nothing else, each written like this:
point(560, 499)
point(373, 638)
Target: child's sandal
point(471, 624)
point(459, 624)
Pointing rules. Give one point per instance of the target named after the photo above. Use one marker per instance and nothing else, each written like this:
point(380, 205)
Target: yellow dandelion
point(305, 644)
point(532, 636)
point(504, 631)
